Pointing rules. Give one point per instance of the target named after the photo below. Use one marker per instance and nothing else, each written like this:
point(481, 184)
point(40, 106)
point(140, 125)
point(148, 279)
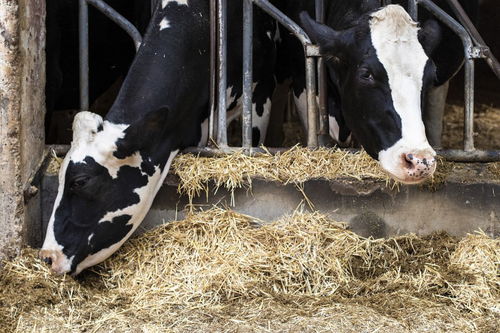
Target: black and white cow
point(381, 67)
point(116, 165)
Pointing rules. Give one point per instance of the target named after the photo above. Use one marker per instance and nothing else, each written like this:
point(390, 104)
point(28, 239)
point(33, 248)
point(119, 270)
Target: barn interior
point(275, 243)
point(112, 51)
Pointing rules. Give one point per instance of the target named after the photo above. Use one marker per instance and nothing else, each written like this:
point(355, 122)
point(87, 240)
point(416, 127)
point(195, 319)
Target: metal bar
point(213, 74)
point(453, 155)
point(475, 156)
point(284, 20)
point(83, 37)
point(121, 21)
point(492, 62)
point(476, 36)
point(247, 73)
point(413, 9)
point(464, 19)
point(469, 68)
point(312, 110)
point(153, 6)
point(469, 106)
point(222, 56)
point(323, 138)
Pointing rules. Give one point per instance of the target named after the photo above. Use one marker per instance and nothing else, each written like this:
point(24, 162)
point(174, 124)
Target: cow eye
point(79, 182)
point(367, 75)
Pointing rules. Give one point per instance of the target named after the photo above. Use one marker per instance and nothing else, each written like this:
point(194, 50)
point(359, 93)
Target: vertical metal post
point(153, 6)
point(83, 22)
point(413, 9)
point(469, 105)
point(322, 85)
point(213, 73)
point(312, 111)
point(222, 56)
point(247, 72)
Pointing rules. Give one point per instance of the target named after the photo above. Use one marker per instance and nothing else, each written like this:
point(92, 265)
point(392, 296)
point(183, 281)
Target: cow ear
point(329, 40)
point(430, 36)
point(143, 134)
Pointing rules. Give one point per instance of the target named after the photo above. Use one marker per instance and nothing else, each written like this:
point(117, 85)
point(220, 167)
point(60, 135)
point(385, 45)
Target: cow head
point(382, 67)
point(107, 183)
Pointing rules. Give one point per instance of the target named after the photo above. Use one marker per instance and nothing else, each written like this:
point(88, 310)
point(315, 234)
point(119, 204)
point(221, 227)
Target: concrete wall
point(22, 100)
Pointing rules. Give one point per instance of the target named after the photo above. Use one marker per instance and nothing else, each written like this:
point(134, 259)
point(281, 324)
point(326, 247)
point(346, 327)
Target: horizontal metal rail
point(452, 155)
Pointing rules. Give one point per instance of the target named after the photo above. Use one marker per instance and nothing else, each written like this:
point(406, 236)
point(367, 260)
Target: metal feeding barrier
point(316, 81)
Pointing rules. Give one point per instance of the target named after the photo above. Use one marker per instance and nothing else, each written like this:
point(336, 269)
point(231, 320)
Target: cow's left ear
point(143, 134)
point(430, 36)
point(329, 40)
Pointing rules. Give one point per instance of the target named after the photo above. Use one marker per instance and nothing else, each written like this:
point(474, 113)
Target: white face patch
point(164, 3)
point(164, 24)
point(138, 211)
point(100, 146)
point(395, 39)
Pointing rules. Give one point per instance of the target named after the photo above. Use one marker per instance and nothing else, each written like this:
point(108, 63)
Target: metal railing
point(83, 35)
point(317, 116)
point(474, 48)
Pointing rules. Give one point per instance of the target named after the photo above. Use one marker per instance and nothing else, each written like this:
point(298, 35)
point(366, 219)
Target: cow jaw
point(137, 212)
point(395, 39)
point(95, 140)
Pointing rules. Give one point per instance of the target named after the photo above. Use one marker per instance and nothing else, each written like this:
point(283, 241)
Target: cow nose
point(55, 259)
point(419, 166)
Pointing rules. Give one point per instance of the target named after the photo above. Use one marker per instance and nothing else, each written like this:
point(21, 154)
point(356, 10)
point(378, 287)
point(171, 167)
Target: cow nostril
point(48, 261)
point(408, 160)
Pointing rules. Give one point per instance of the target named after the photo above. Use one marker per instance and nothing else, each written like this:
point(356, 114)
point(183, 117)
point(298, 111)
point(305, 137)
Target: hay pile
point(295, 166)
point(225, 272)
point(486, 127)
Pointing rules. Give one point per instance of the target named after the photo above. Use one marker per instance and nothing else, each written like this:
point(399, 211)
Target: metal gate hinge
point(478, 52)
point(312, 50)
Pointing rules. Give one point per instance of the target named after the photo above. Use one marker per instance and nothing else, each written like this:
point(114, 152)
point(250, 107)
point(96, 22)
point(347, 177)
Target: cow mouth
point(58, 262)
point(412, 170)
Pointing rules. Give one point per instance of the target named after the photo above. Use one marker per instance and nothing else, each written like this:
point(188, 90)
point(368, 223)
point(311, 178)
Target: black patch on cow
point(255, 136)
point(148, 168)
point(108, 233)
point(84, 204)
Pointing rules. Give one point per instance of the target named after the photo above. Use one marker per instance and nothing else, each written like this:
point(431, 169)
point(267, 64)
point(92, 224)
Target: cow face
point(107, 183)
point(383, 71)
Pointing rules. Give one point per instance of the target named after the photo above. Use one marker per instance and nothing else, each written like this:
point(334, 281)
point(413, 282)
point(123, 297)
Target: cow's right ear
point(144, 134)
point(330, 41)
